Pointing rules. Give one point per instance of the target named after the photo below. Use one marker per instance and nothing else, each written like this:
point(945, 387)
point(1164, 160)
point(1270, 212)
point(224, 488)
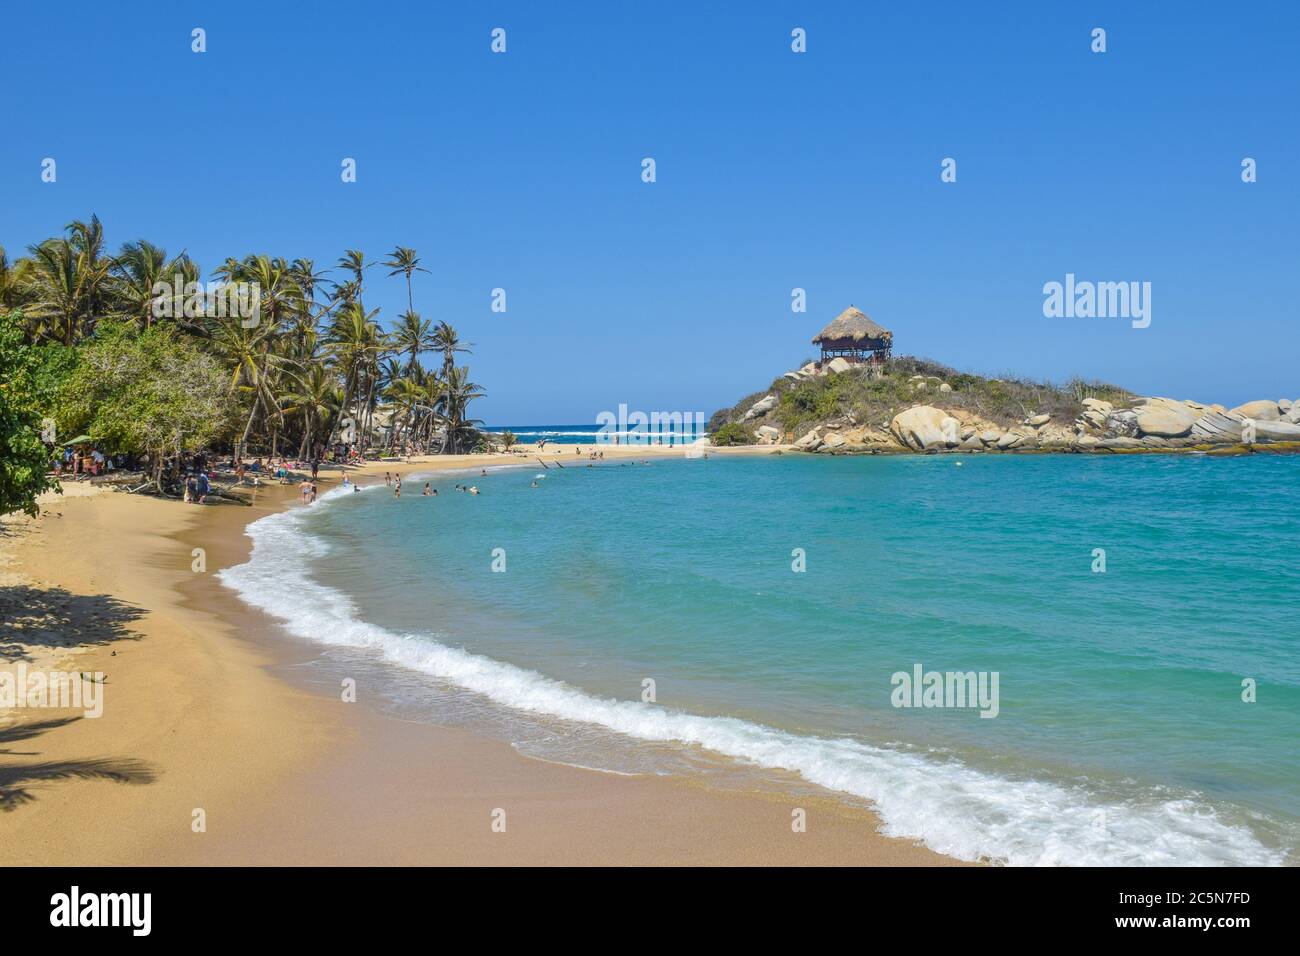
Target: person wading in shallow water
point(397, 488)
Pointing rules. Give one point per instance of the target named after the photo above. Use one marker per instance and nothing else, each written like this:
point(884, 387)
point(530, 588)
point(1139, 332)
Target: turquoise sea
point(1121, 735)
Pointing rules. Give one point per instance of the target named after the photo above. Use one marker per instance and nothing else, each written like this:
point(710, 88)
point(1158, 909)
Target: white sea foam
point(952, 807)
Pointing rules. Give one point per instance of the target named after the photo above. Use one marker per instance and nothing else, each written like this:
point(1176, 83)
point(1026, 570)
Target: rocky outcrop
point(1094, 414)
point(811, 441)
point(1152, 424)
point(768, 435)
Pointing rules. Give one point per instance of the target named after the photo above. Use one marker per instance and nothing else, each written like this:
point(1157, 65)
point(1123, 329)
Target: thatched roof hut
point(854, 336)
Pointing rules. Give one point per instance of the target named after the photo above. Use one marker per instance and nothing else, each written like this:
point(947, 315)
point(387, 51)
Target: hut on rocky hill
point(855, 338)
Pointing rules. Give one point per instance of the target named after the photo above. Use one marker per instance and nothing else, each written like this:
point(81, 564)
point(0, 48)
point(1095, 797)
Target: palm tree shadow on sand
point(53, 617)
point(17, 780)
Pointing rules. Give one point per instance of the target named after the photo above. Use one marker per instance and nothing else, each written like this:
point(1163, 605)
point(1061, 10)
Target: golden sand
point(197, 729)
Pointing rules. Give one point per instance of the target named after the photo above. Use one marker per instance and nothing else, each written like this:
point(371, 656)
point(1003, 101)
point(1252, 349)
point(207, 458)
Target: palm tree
point(313, 392)
point(137, 269)
point(354, 261)
point(458, 392)
point(56, 291)
point(412, 337)
point(404, 261)
point(14, 278)
point(447, 341)
point(356, 343)
point(87, 239)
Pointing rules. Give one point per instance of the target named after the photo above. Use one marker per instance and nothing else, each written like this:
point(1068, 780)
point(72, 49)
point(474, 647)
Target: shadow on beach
point(17, 779)
point(52, 617)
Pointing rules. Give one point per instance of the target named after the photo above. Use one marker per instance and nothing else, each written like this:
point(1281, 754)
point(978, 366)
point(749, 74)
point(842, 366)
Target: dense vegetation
point(24, 457)
point(875, 399)
point(105, 352)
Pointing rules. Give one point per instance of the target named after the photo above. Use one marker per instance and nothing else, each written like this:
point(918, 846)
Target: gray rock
point(760, 407)
point(1038, 420)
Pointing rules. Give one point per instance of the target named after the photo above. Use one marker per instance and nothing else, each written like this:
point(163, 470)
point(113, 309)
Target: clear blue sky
point(775, 170)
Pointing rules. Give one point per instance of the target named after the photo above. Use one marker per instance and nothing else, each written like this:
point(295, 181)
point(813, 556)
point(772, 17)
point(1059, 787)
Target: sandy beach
point(200, 726)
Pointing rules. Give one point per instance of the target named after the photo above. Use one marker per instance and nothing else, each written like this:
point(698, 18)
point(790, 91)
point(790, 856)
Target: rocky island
point(861, 399)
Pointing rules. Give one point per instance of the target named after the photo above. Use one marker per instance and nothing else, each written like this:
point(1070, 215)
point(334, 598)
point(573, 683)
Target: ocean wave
point(951, 807)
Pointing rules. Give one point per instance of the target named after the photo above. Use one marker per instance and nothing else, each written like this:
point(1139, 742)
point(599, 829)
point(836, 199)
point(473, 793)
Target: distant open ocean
point(1121, 735)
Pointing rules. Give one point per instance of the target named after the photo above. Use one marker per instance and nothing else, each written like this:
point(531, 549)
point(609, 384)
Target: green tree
point(24, 458)
point(151, 391)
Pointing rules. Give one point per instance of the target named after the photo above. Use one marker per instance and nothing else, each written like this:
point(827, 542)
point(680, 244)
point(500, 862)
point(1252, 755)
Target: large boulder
point(768, 435)
point(923, 426)
point(1165, 418)
point(1010, 440)
point(1261, 411)
point(760, 407)
point(833, 440)
point(839, 364)
point(1037, 421)
point(1277, 431)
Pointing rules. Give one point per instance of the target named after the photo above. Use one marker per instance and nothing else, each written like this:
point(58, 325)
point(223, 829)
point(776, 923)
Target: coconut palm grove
point(133, 354)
